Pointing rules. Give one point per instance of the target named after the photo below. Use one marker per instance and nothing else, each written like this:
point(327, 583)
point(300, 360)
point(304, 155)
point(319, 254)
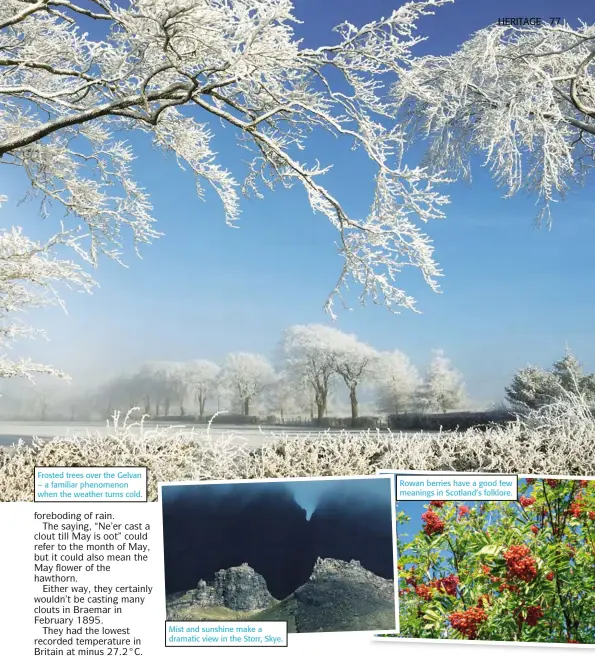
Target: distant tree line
point(311, 365)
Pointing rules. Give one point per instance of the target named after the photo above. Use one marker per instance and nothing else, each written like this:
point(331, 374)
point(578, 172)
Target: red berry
point(526, 501)
point(448, 584)
point(520, 563)
point(549, 576)
point(437, 504)
point(535, 529)
point(424, 591)
point(433, 523)
point(463, 510)
point(534, 614)
point(507, 586)
point(468, 622)
point(577, 506)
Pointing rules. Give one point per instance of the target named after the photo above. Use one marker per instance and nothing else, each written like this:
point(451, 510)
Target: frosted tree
point(176, 374)
point(78, 76)
point(247, 375)
point(120, 393)
point(157, 385)
point(168, 382)
point(571, 377)
point(309, 353)
point(522, 98)
point(284, 396)
point(144, 384)
point(355, 363)
point(533, 387)
point(442, 388)
point(202, 379)
point(31, 273)
point(396, 381)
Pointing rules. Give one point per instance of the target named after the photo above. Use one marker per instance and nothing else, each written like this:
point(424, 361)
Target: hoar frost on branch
point(443, 388)
point(523, 98)
point(202, 378)
point(29, 273)
point(247, 375)
point(355, 364)
point(397, 380)
point(173, 68)
point(309, 354)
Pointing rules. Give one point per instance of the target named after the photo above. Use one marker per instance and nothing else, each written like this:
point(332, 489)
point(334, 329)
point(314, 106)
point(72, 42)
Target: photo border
point(311, 479)
point(452, 641)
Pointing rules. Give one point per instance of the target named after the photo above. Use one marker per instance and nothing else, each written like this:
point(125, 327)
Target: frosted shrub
point(557, 439)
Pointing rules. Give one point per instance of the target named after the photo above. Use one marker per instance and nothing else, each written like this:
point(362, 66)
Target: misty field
point(555, 439)
point(249, 436)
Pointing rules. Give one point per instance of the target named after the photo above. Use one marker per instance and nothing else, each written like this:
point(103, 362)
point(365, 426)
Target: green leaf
point(491, 550)
point(432, 615)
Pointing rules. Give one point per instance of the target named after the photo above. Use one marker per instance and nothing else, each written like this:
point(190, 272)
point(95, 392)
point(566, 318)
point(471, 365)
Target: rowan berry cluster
point(424, 591)
point(533, 615)
point(437, 504)
point(433, 524)
point(468, 622)
point(509, 586)
point(526, 501)
point(578, 508)
point(448, 584)
point(520, 562)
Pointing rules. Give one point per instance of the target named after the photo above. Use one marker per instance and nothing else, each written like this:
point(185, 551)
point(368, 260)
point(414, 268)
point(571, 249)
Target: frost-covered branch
point(175, 69)
point(522, 98)
point(29, 274)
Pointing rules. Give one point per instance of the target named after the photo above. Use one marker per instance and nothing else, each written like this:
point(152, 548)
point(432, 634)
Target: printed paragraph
point(81, 565)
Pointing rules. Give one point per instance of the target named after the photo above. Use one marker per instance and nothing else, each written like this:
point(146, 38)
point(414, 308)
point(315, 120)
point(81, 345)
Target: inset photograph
point(319, 553)
point(513, 571)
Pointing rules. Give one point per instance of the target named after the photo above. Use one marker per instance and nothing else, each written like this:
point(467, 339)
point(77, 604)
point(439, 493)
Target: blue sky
point(512, 294)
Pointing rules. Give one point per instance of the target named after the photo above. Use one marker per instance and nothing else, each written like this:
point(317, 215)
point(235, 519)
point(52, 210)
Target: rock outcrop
point(344, 596)
point(338, 596)
point(237, 588)
point(241, 588)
